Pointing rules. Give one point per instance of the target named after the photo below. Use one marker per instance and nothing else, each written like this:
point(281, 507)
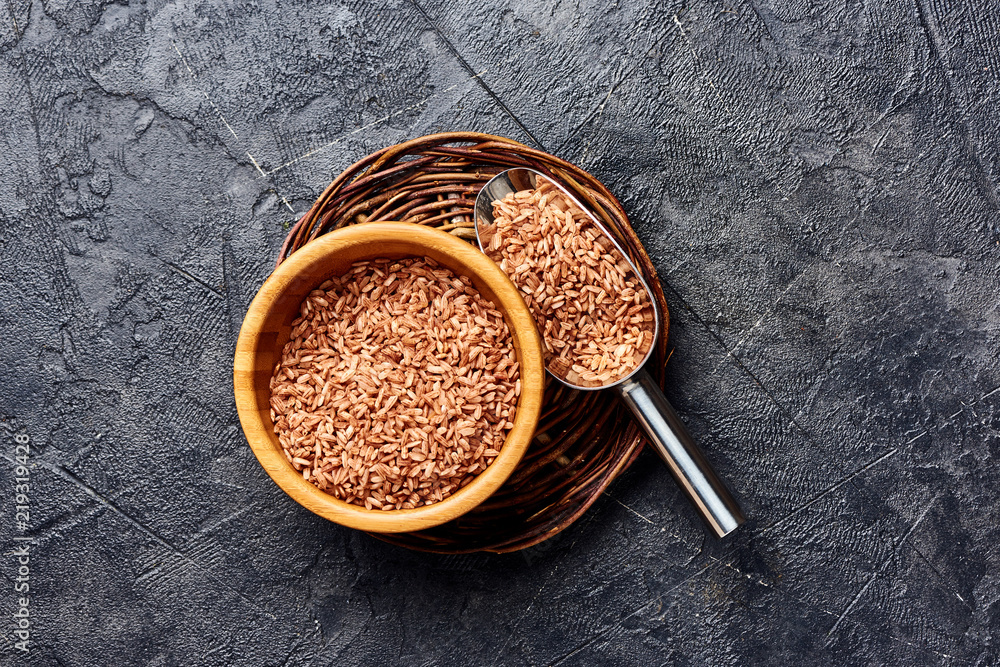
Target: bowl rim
point(481, 268)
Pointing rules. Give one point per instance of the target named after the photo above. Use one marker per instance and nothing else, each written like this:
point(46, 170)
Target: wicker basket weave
point(584, 439)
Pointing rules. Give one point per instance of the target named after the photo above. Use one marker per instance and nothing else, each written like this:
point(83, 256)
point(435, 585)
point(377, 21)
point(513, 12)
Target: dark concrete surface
point(816, 182)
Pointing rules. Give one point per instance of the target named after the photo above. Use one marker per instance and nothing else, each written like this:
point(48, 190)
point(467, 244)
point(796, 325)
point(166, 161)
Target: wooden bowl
point(267, 327)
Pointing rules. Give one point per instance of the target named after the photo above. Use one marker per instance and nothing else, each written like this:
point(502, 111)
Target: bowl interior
point(267, 327)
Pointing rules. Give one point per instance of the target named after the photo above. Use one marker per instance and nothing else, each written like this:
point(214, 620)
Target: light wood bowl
point(267, 326)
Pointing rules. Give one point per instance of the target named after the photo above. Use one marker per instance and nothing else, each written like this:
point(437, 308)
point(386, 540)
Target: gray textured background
point(816, 182)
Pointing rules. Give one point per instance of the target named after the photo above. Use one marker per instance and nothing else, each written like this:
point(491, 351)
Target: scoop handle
point(671, 440)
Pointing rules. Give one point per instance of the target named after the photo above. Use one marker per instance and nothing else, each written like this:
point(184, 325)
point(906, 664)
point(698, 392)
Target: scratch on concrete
point(987, 395)
point(749, 332)
point(637, 610)
point(465, 64)
point(830, 489)
point(189, 276)
point(940, 49)
point(94, 494)
point(370, 125)
point(225, 122)
point(881, 568)
point(644, 518)
point(598, 114)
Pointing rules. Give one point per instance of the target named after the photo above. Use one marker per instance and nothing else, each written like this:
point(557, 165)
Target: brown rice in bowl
point(398, 384)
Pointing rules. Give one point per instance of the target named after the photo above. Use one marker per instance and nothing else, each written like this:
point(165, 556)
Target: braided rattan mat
point(584, 439)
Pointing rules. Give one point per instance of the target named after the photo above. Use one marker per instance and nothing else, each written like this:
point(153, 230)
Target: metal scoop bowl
point(663, 427)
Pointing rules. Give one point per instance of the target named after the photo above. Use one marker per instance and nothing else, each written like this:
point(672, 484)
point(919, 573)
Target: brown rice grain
point(581, 294)
point(379, 357)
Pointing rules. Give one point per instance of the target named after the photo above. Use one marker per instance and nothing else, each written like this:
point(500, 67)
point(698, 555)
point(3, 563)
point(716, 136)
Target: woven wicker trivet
point(584, 439)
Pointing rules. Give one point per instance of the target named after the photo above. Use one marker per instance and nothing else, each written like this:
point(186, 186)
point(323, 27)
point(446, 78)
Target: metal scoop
point(664, 429)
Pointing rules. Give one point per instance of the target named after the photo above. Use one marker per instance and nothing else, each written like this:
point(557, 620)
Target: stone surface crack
point(370, 125)
point(190, 277)
point(939, 48)
point(27, 80)
point(939, 576)
point(468, 68)
point(830, 489)
point(738, 361)
point(225, 122)
point(149, 532)
point(638, 610)
point(644, 518)
point(596, 112)
point(763, 22)
point(760, 320)
point(881, 568)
